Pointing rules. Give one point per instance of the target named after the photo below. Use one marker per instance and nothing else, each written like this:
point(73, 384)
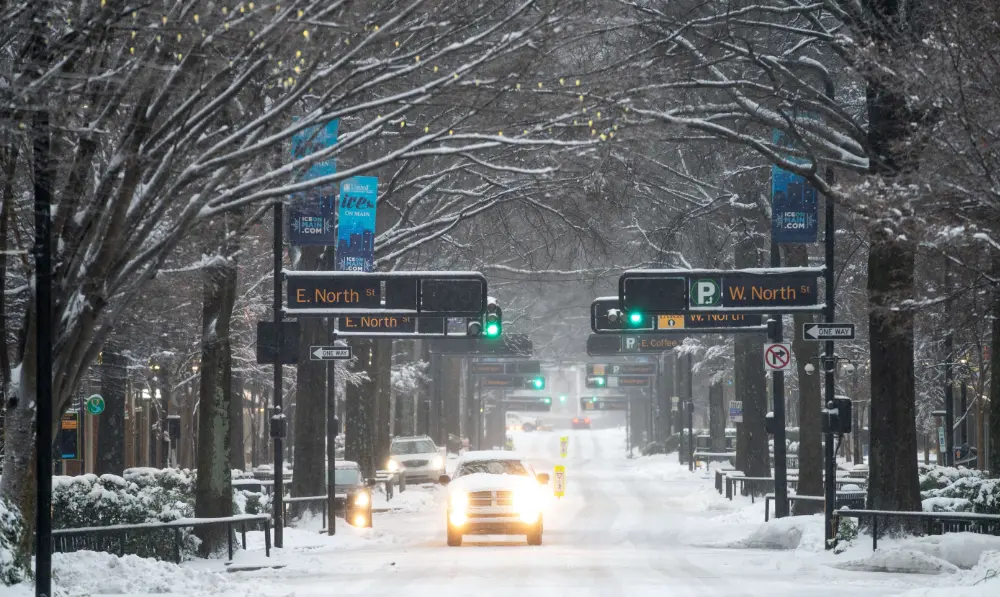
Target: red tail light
point(576, 420)
point(587, 421)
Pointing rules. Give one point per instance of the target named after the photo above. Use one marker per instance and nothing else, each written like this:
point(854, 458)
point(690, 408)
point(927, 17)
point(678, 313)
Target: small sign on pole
point(329, 353)
point(563, 446)
point(777, 357)
point(827, 331)
point(736, 411)
point(675, 402)
point(560, 484)
point(95, 404)
point(942, 447)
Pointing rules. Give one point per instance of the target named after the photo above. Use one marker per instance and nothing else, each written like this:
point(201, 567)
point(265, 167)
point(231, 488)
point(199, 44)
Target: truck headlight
point(362, 499)
point(393, 466)
point(438, 462)
point(528, 505)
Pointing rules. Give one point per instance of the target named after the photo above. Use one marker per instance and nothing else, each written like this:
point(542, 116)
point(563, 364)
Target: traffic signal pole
point(829, 363)
point(277, 417)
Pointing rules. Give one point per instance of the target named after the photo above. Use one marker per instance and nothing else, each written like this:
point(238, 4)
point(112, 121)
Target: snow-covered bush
point(966, 494)
point(142, 495)
point(939, 477)
point(11, 528)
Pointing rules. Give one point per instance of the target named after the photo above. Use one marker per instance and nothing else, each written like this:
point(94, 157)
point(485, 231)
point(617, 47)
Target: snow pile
point(88, 573)
point(792, 532)
point(898, 560)
point(932, 554)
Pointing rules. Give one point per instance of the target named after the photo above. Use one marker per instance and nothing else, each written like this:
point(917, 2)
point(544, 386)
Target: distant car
point(418, 457)
point(494, 493)
point(352, 494)
point(581, 422)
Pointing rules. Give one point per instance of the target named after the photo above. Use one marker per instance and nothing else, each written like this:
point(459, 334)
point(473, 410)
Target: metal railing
point(941, 522)
point(108, 538)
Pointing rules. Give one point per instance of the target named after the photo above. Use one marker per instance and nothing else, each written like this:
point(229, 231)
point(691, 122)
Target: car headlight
point(393, 466)
point(362, 499)
point(459, 501)
point(438, 462)
point(528, 505)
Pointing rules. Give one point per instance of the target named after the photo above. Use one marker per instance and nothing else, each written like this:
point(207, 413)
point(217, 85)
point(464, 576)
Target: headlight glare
point(438, 462)
point(459, 501)
point(362, 499)
point(528, 505)
point(393, 466)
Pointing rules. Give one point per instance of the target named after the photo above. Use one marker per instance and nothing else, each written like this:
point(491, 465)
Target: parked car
point(581, 422)
point(418, 457)
point(352, 494)
point(494, 493)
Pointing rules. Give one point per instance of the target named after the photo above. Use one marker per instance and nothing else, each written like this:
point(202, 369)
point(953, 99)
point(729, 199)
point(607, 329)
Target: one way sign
point(777, 357)
point(827, 331)
point(329, 353)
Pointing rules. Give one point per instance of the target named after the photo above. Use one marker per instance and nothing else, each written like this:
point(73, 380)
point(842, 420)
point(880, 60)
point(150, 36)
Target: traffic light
point(562, 399)
point(537, 383)
point(596, 381)
point(837, 416)
point(547, 400)
point(494, 319)
point(474, 328)
point(636, 319)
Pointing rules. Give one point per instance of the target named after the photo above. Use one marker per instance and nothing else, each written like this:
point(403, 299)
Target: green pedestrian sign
point(706, 292)
point(95, 404)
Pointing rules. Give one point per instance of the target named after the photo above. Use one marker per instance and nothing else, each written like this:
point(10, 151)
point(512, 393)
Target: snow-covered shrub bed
point(940, 477)
point(966, 494)
point(11, 527)
point(141, 495)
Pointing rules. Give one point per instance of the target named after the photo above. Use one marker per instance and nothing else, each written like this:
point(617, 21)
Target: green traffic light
point(547, 400)
point(539, 383)
point(599, 381)
point(493, 330)
point(562, 399)
point(635, 318)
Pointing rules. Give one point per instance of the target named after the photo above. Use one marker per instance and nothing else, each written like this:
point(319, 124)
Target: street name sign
point(377, 294)
point(377, 323)
point(680, 292)
point(329, 353)
point(827, 331)
point(603, 345)
point(604, 403)
point(623, 369)
point(628, 381)
point(777, 356)
point(512, 368)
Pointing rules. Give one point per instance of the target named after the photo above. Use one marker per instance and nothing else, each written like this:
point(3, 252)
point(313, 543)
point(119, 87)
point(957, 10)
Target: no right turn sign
point(777, 357)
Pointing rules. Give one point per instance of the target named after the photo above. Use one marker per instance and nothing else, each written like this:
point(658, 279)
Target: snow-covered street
point(643, 526)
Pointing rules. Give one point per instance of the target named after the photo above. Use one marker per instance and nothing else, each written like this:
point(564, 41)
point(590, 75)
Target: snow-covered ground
point(642, 526)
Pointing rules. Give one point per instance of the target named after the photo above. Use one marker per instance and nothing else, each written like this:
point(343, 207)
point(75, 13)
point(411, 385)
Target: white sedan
point(494, 493)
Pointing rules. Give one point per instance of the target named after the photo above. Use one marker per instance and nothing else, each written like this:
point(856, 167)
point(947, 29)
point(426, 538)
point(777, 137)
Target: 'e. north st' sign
point(326, 293)
point(377, 323)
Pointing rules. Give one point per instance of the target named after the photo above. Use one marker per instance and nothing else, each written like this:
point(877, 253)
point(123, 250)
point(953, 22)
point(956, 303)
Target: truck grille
point(416, 463)
point(489, 499)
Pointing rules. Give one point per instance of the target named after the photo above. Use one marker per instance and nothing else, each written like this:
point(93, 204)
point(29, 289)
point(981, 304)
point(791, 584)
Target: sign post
point(560, 481)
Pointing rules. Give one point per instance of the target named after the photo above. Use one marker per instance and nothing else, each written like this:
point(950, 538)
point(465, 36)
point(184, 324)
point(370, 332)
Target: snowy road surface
point(624, 528)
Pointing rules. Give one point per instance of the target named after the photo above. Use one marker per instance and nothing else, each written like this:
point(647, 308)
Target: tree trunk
point(359, 432)
point(994, 412)
point(186, 453)
point(810, 400)
point(111, 423)
point(894, 483)
point(238, 452)
point(309, 434)
point(717, 417)
point(383, 378)
point(213, 489)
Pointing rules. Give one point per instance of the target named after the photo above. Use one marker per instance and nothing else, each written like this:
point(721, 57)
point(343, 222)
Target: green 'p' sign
point(95, 404)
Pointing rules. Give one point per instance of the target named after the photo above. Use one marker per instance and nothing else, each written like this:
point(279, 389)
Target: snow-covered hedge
point(11, 528)
point(949, 489)
point(141, 495)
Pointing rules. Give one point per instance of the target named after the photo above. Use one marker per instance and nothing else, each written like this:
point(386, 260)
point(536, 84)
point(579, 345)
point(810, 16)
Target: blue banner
point(794, 211)
point(312, 215)
point(356, 234)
